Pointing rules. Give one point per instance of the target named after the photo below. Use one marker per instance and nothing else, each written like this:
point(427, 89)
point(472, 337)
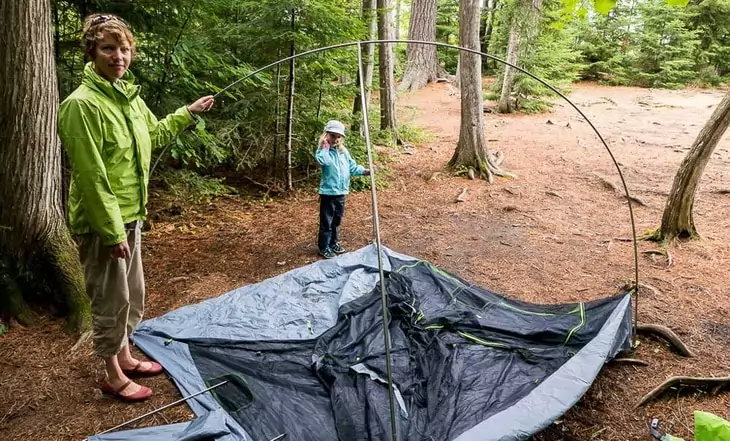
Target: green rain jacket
point(109, 133)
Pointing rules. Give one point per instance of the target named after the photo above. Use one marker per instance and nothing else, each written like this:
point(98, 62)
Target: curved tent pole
point(540, 80)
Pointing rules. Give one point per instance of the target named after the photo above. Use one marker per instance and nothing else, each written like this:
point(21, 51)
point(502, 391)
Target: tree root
point(714, 384)
point(632, 361)
point(462, 196)
point(667, 334)
point(61, 258)
point(608, 185)
point(663, 252)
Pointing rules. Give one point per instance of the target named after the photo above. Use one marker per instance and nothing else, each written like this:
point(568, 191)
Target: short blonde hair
point(95, 25)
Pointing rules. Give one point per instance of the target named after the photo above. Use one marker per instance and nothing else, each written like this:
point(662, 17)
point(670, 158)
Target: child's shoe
point(327, 253)
point(337, 248)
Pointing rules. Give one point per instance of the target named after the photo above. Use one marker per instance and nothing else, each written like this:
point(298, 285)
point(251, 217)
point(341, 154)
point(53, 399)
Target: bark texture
point(387, 66)
point(33, 232)
point(471, 151)
point(422, 65)
point(368, 59)
point(677, 220)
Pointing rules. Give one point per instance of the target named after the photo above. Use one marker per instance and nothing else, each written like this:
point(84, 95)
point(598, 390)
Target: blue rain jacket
point(337, 167)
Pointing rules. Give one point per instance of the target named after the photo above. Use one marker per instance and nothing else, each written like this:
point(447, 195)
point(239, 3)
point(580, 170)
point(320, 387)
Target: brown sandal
point(142, 394)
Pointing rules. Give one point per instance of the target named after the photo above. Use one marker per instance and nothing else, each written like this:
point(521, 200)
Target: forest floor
point(554, 234)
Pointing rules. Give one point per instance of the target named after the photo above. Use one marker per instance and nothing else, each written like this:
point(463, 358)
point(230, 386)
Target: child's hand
point(325, 145)
point(366, 172)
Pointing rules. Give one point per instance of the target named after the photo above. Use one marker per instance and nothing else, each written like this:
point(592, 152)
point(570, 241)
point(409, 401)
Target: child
point(337, 167)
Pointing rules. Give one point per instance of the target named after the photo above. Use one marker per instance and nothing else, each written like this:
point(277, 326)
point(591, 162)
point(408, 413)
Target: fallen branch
point(667, 334)
point(715, 384)
point(552, 193)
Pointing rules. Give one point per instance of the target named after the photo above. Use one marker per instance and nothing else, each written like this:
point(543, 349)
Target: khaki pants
point(116, 288)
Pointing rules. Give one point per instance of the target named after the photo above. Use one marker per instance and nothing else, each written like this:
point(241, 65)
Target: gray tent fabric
point(319, 308)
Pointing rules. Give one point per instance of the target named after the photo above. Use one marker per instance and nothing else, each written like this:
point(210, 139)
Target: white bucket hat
point(334, 126)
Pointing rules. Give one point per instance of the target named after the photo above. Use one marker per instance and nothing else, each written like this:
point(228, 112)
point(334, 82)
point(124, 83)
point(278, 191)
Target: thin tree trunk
point(523, 30)
point(488, 29)
point(471, 151)
point(508, 79)
point(387, 67)
point(398, 18)
point(277, 123)
point(677, 220)
point(32, 226)
point(368, 54)
point(290, 109)
point(422, 65)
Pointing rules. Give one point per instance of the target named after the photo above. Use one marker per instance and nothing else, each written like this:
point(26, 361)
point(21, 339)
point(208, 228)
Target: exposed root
point(700, 383)
point(608, 185)
point(631, 361)
point(462, 196)
point(663, 252)
point(82, 341)
point(498, 158)
point(668, 335)
point(553, 193)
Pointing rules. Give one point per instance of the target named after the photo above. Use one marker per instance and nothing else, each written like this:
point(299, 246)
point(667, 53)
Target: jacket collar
point(125, 86)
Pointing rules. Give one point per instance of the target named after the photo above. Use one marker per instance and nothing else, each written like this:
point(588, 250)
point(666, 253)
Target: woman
point(108, 133)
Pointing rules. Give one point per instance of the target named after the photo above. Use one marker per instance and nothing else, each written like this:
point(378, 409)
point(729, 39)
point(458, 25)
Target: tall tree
point(422, 64)
point(525, 25)
point(486, 29)
point(471, 151)
point(387, 67)
point(677, 220)
point(33, 233)
point(368, 55)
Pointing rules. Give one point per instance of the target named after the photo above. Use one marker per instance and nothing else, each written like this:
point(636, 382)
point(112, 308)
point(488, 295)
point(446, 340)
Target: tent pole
point(152, 412)
point(376, 232)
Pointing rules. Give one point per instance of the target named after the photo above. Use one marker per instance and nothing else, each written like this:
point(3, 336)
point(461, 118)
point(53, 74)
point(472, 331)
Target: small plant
point(190, 186)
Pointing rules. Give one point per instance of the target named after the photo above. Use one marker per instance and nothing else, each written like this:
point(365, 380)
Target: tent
point(304, 356)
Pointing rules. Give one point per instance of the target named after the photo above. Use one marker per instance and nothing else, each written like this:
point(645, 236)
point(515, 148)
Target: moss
point(62, 258)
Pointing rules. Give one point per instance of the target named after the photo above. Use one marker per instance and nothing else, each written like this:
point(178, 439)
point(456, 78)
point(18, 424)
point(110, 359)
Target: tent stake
point(162, 408)
point(376, 232)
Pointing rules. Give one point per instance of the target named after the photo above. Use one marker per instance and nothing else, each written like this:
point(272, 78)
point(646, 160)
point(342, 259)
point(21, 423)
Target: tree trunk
point(368, 56)
point(387, 67)
point(422, 65)
point(398, 4)
point(486, 36)
point(523, 30)
point(677, 221)
point(290, 108)
point(33, 232)
point(471, 151)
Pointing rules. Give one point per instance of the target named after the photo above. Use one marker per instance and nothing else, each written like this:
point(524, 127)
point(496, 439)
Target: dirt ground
point(556, 233)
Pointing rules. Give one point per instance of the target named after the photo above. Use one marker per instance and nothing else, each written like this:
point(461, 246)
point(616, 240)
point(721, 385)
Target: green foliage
point(447, 31)
point(552, 57)
point(649, 43)
point(191, 187)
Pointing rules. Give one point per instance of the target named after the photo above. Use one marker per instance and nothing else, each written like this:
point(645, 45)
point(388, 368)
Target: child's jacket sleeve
point(355, 170)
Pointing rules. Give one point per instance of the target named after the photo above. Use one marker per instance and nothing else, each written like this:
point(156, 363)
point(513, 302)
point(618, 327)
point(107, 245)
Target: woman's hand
point(202, 104)
point(120, 251)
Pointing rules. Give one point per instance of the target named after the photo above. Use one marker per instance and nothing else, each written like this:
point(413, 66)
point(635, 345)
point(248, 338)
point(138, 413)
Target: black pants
point(331, 210)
